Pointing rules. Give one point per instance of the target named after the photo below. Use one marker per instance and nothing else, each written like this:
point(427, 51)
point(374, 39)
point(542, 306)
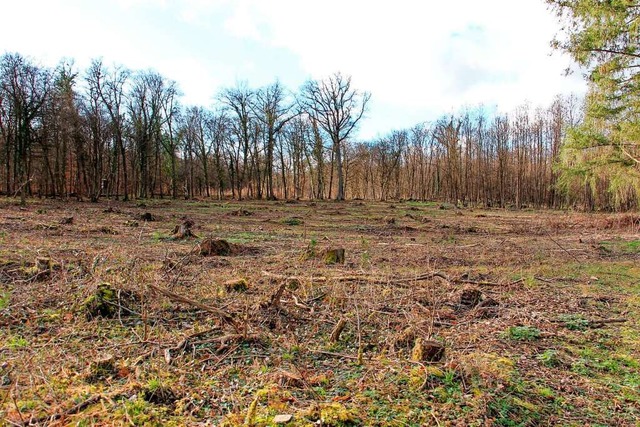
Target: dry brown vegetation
point(436, 316)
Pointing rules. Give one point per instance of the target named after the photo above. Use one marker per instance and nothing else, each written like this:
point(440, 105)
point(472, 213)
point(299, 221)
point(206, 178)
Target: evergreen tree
point(603, 36)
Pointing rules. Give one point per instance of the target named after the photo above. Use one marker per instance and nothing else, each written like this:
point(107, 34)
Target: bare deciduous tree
point(271, 109)
point(337, 108)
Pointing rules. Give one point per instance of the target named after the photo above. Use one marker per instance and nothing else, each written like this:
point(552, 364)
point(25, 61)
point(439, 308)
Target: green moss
point(293, 221)
point(108, 302)
point(237, 285)
point(102, 369)
point(574, 322)
point(620, 246)
point(337, 415)
point(333, 256)
point(16, 342)
point(549, 358)
point(102, 303)
point(5, 298)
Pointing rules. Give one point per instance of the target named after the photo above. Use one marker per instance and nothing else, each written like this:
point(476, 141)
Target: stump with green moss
point(103, 303)
point(236, 285)
point(427, 351)
point(107, 302)
point(101, 369)
point(333, 256)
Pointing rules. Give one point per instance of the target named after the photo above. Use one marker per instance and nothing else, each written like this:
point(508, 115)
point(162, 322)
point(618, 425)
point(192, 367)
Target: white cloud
point(413, 56)
point(131, 4)
point(241, 23)
point(426, 54)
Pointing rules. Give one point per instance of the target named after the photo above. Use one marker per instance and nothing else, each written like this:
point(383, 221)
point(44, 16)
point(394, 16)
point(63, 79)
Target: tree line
point(110, 132)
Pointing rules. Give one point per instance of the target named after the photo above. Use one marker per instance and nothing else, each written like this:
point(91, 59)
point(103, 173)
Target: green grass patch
point(574, 322)
point(522, 333)
point(620, 246)
point(293, 221)
point(15, 342)
point(5, 298)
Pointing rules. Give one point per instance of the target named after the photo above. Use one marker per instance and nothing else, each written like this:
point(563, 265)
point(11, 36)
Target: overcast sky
point(418, 58)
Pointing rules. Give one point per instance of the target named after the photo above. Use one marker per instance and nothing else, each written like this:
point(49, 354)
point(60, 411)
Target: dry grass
point(233, 340)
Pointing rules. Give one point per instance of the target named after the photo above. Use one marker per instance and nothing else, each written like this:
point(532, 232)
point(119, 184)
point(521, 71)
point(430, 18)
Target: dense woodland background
point(110, 132)
point(107, 131)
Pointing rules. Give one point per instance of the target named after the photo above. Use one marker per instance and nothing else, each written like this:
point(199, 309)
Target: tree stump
point(470, 298)
point(102, 368)
point(147, 217)
point(487, 308)
point(236, 285)
point(43, 266)
point(183, 231)
point(108, 302)
point(427, 351)
point(337, 330)
point(214, 247)
point(333, 256)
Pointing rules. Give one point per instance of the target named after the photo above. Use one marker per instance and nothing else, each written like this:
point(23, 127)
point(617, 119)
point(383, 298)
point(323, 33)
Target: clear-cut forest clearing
point(477, 269)
point(231, 313)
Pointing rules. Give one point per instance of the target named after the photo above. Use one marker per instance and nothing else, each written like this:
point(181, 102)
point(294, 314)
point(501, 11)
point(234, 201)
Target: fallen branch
point(400, 281)
point(223, 340)
point(297, 303)
point(71, 411)
point(181, 345)
point(603, 321)
point(563, 249)
point(226, 317)
point(19, 189)
point(329, 353)
point(483, 283)
point(300, 278)
point(622, 320)
point(403, 281)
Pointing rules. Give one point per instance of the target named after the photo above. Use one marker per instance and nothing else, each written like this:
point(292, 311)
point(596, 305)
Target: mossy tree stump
point(333, 256)
point(102, 368)
point(236, 285)
point(427, 351)
point(108, 302)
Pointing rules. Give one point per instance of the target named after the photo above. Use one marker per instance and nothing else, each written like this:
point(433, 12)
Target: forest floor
point(438, 316)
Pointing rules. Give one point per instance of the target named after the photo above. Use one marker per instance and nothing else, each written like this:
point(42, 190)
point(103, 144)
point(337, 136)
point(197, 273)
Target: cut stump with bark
point(108, 302)
point(337, 330)
point(470, 298)
point(333, 256)
point(101, 368)
point(183, 230)
point(236, 285)
point(427, 351)
point(147, 217)
point(215, 247)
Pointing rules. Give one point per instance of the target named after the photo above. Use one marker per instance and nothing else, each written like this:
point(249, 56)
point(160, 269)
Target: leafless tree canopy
point(337, 108)
point(111, 132)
